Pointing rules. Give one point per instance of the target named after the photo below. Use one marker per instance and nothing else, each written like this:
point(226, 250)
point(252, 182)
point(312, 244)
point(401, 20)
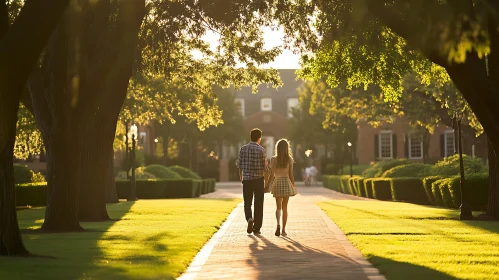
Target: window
point(268, 144)
point(266, 104)
point(449, 143)
point(415, 146)
point(240, 105)
point(142, 139)
point(385, 145)
point(292, 103)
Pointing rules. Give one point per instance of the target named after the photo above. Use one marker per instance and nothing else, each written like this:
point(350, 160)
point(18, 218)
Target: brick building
point(400, 140)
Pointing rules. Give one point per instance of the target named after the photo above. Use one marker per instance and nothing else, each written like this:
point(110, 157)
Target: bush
point(162, 172)
point(359, 184)
point(427, 181)
point(415, 170)
point(368, 186)
point(332, 182)
point(344, 185)
point(32, 194)
point(449, 166)
point(476, 190)
point(38, 178)
point(437, 195)
point(170, 188)
point(352, 186)
point(378, 168)
point(382, 188)
point(445, 191)
point(356, 169)
point(332, 168)
point(409, 190)
point(185, 172)
point(22, 174)
point(139, 160)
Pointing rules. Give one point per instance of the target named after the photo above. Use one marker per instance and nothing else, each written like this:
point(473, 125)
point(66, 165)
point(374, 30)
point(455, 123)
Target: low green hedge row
point(433, 190)
point(35, 194)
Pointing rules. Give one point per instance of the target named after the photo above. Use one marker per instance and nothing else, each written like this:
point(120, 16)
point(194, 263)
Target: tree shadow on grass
point(71, 255)
point(401, 270)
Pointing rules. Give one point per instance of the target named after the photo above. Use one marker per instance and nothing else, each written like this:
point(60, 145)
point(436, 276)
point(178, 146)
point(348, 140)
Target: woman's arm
point(271, 176)
point(291, 176)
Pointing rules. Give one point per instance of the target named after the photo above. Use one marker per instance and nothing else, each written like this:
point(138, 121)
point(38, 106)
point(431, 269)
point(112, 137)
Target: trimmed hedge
point(173, 188)
point(22, 174)
point(184, 172)
point(413, 170)
point(359, 185)
point(437, 195)
point(475, 188)
point(409, 190)
point(32, 194)
point(344, 185)
point(427, 181)
point(368, 187)
point(380, 167)
point(382, 188)
point(162, 172)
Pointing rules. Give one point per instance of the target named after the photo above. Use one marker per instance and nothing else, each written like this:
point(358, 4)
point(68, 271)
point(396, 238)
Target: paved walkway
point(314, 249)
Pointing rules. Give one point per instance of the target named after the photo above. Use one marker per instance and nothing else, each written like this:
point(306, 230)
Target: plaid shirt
point(252, 160)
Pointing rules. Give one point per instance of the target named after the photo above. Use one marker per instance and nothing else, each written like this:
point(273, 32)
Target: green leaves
point(28, 138)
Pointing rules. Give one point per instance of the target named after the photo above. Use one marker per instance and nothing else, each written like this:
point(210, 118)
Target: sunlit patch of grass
point(148, 239)
point(408, 241)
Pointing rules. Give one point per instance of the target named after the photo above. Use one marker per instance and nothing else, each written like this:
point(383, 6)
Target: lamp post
point(133, 187)
point(351, 157)
point(126, 151)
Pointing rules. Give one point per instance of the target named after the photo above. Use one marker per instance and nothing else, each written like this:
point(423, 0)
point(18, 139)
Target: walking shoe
point(250, 225)
point(257, 232)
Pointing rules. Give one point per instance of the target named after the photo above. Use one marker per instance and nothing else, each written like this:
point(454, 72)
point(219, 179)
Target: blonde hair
point(283, 154)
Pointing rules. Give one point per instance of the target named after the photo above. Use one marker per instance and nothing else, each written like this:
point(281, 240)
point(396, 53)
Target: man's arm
point(238, 164)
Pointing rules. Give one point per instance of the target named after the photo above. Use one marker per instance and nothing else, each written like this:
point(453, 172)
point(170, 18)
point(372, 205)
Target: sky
point(286, 60)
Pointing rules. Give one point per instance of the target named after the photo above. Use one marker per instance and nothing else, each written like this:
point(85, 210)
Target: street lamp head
point(349, 144)
point(156, 140)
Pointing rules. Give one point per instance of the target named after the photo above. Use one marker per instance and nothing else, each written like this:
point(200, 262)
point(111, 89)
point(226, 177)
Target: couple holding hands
point(253, 169)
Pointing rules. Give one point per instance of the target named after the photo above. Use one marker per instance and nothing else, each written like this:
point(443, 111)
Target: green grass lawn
point(150, 239)
point(407, 241)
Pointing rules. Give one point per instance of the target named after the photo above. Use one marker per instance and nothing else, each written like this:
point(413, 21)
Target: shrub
point(162, 172)
point(359, 184)
point(408, 189)
point(22, 174)
point(476, 190)
point(415, 170)
point(377, 169)
point(449, 166)
point(332, 182)
point(344, 185)
point(382, 189)
point(38, 178)
point(139, 160)
point(356, 169)
point(32, 194)
point(445, 192)
point(333, 168)
point(352, 186)
point(427, 181)
point(368, 186)
point(185, 172)
point(437, 195)
point(170, 188)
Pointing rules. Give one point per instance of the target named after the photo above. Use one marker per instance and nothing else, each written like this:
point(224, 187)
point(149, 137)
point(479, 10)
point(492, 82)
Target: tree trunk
point(111, 194)
point(11, 243)
point(493, 196)
point(62, 198)
point(34, 24)
point(94, 162)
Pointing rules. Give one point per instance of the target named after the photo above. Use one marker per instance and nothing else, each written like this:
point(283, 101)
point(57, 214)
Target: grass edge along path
point(408, 241)
point(148, 239)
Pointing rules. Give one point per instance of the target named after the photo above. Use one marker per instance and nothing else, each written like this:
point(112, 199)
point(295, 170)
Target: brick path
point(314, 249)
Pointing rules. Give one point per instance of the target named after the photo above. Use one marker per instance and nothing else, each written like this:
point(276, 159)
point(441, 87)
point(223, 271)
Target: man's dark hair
point(255, 134)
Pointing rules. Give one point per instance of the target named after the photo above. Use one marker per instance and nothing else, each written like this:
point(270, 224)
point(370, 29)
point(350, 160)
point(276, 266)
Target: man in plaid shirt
point(253, 165)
